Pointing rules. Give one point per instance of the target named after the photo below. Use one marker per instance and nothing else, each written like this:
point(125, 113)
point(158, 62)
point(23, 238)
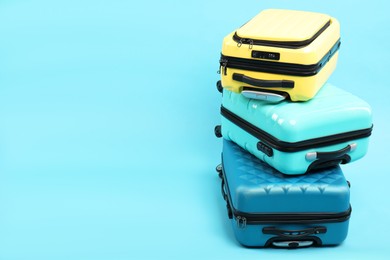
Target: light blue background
point(107, 110)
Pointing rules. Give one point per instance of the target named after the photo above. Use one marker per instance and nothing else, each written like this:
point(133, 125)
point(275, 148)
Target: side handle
point(262, 82)
point(291, 234)
point(225, 197)
point(311, 156)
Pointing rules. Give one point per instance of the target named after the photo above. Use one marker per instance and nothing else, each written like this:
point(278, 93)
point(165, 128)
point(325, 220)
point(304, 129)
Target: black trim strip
point(315, 217)
point(293, 146)
point(281, 44)
point(274, 67)
point(294, 233)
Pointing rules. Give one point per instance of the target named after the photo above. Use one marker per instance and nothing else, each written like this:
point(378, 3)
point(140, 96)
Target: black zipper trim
point(293, 146)
point(281, 44)
point(244, 218)
point(284, 68)
point(306, 218)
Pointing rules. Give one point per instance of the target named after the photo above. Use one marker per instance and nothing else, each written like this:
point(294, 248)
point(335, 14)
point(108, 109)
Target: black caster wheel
point(219, 86)
point(217, 131)
point(219, 170)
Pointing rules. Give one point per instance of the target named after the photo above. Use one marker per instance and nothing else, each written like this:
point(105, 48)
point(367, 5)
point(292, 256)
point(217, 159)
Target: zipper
point(281, 44)
point(241, 221)
point(268, 66)
point(244, 219)
point(223, 65)
point(293, 146)
point(284, 68)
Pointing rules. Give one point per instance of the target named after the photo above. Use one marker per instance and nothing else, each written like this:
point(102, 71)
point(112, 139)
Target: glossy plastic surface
point(332, 111)
point(283, 25)
point(307, 55)
point(256, 188)
point(305, 87)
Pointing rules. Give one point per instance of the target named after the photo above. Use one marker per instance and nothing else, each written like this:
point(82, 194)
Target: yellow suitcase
point(280, 54)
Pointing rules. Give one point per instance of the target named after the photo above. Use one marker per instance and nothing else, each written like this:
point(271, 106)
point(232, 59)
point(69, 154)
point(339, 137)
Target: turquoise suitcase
point(296, 137)
point(267, 208)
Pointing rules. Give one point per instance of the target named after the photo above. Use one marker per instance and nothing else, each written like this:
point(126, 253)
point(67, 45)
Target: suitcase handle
point(311, 156)
point(225, 196)
point(262, 82)
point(294, 233)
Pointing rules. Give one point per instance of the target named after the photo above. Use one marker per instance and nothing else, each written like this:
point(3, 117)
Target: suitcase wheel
point(219, 86)
point(219, 170)
point(217, 131)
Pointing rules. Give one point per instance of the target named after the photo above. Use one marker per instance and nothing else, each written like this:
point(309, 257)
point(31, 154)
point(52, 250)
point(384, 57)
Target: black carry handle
point(331, 155)
point(294, 233)
point(262, 82)
point(225, 197)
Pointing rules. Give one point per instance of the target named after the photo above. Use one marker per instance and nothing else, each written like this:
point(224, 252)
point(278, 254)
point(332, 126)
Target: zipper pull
point(250, 44)
point(241, 222)
point(240, 43)
point(223, 64)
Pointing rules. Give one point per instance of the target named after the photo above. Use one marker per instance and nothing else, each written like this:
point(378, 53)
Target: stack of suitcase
point(286, 131)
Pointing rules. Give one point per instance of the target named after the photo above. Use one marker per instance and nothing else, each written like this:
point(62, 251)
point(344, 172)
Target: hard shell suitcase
point(296, 137)
point(268, 208)
point(279, 54)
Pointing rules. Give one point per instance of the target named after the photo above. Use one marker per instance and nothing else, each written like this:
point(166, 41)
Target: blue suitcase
point(268, 208)
point(296, 137)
